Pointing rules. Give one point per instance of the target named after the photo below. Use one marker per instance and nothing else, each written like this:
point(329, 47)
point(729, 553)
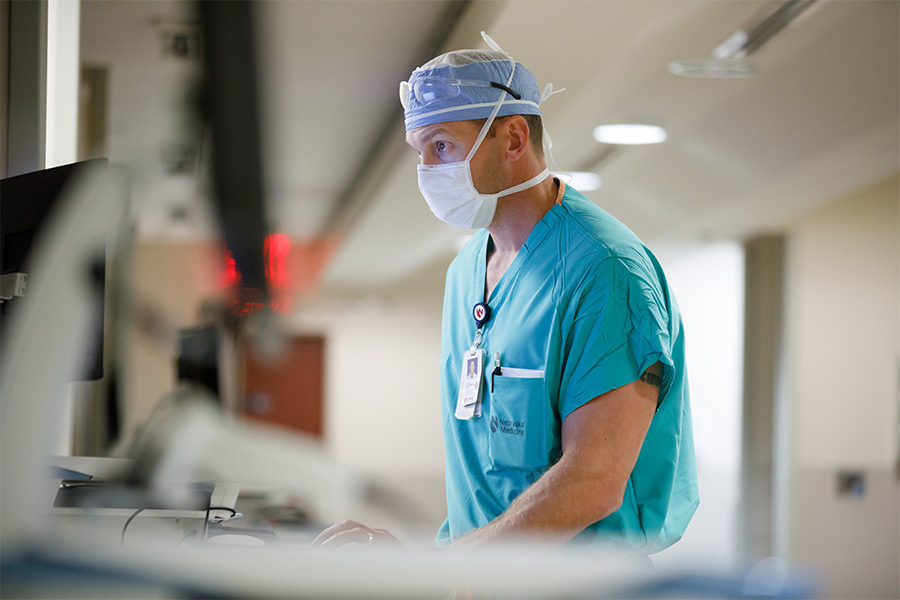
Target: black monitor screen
point(26, 201)
point(198, 357)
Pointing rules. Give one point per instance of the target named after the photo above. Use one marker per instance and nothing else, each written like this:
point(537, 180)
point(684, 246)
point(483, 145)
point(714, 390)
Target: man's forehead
point(426, 132)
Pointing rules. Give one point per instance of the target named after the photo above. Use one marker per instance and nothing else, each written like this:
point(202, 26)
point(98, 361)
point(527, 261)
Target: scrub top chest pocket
point(517, 437)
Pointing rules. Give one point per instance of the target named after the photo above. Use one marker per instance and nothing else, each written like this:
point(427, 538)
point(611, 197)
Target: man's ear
point(518, 134)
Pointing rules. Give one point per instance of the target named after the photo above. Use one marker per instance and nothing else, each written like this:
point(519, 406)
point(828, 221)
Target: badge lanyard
point(468, 401)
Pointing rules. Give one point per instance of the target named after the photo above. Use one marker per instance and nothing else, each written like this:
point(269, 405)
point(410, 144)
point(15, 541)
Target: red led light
point(276, 248)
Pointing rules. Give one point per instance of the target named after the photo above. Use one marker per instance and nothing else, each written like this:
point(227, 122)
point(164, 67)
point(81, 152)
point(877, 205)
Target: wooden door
point(289, 390)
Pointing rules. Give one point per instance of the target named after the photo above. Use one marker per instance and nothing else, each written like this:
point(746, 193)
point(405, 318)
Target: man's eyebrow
point(425, 137)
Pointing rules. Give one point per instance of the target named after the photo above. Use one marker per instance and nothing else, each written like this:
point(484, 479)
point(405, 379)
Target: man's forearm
point(601, 441)
point(553, 510)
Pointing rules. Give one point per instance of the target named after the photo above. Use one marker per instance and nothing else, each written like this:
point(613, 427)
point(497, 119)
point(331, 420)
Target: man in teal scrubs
point(577, 427)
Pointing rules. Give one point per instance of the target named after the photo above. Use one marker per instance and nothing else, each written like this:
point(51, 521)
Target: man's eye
point(440, 146)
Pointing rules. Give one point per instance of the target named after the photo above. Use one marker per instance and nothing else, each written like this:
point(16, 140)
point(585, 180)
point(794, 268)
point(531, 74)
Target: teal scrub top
point(587, 303)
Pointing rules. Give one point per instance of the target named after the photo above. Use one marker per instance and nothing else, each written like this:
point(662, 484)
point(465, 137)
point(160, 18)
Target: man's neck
point(517, 214)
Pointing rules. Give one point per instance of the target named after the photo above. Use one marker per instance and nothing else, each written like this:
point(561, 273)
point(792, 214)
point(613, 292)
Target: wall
point(382, 401)
point(24, 87)
point(842, 335)
point(4, 89)
point(763, 398)
point(170, 282)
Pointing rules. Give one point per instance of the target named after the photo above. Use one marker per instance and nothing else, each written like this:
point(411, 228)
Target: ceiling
point(820, 118)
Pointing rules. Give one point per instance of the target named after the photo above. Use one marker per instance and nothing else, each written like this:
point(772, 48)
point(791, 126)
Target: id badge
point(468, 399)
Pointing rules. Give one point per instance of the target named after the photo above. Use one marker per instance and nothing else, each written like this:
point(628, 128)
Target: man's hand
point(351, 532)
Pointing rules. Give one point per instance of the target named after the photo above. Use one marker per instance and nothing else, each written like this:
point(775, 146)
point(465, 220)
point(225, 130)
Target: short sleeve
point(442, 539)
point(619, 328)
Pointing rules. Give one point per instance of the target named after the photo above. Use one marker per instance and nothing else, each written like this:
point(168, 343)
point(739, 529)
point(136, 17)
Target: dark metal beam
point(231, 106)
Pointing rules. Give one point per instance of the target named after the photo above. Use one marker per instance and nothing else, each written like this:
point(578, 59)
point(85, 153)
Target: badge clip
point(482, 314)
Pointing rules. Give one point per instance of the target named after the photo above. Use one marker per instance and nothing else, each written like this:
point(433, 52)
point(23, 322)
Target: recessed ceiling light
point(629, 134)
point(583, 181)
point(711, 68)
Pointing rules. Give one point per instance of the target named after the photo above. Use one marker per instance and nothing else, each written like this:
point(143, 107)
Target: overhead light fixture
point(773, 17)
point(711, 68)
point(583, 181)
point(727, 60)
point(629, 134)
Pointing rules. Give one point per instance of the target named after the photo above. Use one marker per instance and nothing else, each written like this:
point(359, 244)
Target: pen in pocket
point(496, 370)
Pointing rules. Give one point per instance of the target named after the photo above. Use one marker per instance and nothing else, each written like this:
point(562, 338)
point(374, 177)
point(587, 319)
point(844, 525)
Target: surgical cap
point(467, 84)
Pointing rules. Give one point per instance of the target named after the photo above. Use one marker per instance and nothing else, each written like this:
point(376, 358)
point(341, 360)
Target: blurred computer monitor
point(26, 203)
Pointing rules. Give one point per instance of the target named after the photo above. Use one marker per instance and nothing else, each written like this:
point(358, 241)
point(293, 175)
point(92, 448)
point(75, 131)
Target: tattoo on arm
point(651, 378)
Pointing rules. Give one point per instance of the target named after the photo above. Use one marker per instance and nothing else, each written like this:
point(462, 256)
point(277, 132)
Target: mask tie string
point(487, 124)
point(490, 42)
point(545, 94)
point(548, 142)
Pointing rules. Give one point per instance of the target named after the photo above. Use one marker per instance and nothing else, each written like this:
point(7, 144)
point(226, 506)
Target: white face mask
point(450, 192)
